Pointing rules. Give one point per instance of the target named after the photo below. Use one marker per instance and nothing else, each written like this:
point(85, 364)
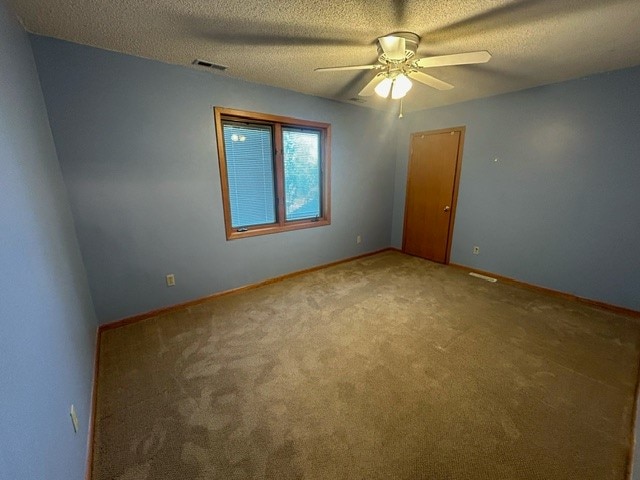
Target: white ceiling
point(280, 42)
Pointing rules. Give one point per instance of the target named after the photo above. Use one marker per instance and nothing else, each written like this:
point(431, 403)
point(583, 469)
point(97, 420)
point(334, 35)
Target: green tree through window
point(302, 174)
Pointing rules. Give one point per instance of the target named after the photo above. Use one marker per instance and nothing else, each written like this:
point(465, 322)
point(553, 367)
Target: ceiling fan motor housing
point(411, 46)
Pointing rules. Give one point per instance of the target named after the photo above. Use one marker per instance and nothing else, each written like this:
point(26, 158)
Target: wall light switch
point(476, 250)
point(171, 280)
point(359, 239)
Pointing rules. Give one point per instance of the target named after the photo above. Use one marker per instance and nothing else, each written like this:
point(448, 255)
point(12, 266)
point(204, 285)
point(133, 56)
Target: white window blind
point(249, 155)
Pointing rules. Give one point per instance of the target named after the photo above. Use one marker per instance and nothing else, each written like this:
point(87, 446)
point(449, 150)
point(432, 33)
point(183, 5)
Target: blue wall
point(561, 206)
point(47, 324)
point(136, 144)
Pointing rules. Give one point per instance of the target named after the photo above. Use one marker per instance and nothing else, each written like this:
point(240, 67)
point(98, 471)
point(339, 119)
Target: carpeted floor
point(385, 367)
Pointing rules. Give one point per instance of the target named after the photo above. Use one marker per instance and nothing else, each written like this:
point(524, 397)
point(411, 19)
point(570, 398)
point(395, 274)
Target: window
point(274, 172)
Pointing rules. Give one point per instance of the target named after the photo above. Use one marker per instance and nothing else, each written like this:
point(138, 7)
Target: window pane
point(302, 176)
point(248, 153)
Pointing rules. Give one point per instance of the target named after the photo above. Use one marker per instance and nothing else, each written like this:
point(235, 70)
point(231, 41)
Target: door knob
point(447, 208)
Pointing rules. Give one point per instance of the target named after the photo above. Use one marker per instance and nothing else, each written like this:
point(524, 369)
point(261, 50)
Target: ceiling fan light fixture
point(401, 86)
point(397, 86)
point(396, 53)
point(384, 87)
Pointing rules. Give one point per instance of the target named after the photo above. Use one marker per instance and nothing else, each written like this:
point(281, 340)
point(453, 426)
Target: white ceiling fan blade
point(429, 80)
point(393, 47)
point(369, 88)
point(468, 58)
point(348, 67)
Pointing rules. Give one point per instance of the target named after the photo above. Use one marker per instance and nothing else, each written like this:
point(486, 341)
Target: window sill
point(233, 234)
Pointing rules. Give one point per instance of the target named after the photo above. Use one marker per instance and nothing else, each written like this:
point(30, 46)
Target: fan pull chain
point(400, 115)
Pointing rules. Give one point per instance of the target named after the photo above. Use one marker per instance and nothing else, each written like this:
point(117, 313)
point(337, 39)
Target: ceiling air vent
point(214, 66)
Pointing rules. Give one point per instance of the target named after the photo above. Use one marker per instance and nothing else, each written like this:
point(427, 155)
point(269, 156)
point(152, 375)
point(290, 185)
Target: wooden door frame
point(456, 182)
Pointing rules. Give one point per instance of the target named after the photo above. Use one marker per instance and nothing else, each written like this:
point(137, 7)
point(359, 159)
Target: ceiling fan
point(396, 54)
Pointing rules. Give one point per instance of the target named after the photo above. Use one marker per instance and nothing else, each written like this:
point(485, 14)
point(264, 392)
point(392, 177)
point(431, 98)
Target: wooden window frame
point(277, 123)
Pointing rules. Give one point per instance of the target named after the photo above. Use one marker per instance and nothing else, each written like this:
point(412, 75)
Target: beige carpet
point(385, 367)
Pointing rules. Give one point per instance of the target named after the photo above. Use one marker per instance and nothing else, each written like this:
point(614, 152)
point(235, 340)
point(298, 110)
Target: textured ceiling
point(280, 42)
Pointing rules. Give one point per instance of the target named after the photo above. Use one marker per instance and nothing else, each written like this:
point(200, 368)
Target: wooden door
point(432, 189)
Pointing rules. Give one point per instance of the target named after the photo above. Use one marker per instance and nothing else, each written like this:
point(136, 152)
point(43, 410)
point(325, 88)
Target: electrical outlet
point(476, 250)
point(74, 419)
point(359, 239)
point(171, 280)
